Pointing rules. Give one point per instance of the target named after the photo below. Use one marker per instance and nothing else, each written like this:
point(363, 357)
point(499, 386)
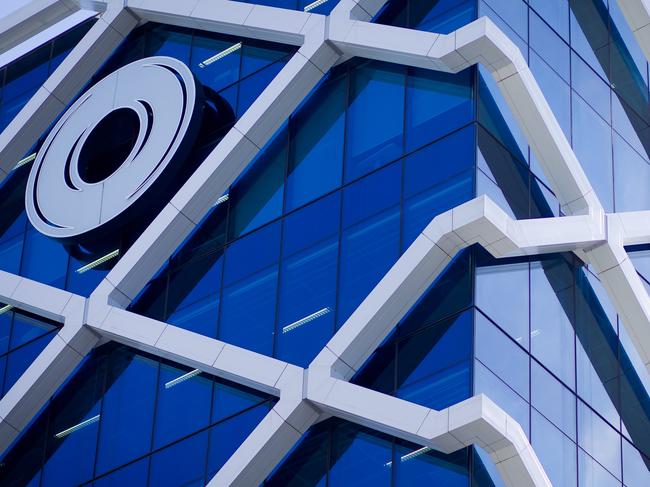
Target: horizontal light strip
point(223, 199)
point(306, 319)
point(220, 55)
point(6, 308)
point(26, 160)
point(76, 427)
point(410, 456)
point(99, 261)
point(182, 378)
point(313, 5)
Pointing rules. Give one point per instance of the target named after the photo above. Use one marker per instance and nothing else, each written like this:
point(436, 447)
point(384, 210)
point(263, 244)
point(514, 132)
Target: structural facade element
point(325, 388)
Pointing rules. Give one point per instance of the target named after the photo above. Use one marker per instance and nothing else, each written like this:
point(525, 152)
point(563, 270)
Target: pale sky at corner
point(8, 6)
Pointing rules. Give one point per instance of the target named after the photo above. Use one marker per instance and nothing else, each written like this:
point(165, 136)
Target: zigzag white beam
point(475, 421)
point(32, 19)
point(637, 14)
point(483, 42)
point(213, 177)
point(61, 87)
point(477, 221)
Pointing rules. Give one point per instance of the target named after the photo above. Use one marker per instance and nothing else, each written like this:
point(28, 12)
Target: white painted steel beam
point(32, 19)
point(637, 14)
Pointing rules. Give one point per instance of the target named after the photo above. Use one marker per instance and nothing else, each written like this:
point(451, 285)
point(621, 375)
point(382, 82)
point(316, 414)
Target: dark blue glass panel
point(27, 74)
point(307, 302)
point(361, 455)
point(226, 437)
point(441, 16)
point(375, 118)
point(128, 403)
point(26, 328)
point(193, 299)
point(252, 254)
point(219, 74)
point(316, 162)
point(436, 104)
point(251, 87)
point(433, 349)
point(257, 56)
point(256, 197)
point(21, 358)
point(431, 468)
point(5, 330)
point(370, 241)
point(306, 465)
point(44, 260)
point(175, 42)
point(290, 4)
point(181, 464)
point(134, 474)
point(311, 225)
point(84, 283)
point(229, 399)
point(181, 408)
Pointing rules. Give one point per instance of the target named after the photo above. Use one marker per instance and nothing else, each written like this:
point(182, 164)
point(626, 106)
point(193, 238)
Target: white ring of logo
point(162, 92)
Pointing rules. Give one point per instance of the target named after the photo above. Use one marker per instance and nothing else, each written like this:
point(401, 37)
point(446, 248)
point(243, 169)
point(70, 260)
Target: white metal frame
point(321, 390)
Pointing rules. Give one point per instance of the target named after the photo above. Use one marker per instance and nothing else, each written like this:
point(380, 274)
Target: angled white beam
point(32, 19)
point(637, 14)
point(475, 421)
point(478, 221)
point(228, 17)
point(62, 86)
point(634, 226)
point(483, 42)
point(213, 177)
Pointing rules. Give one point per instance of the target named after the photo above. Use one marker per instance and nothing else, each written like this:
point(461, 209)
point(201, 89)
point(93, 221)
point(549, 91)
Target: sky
point(9, 6)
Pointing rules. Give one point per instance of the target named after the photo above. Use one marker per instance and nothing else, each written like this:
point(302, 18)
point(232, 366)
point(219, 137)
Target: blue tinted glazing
point(181, 464)
point(374, 128)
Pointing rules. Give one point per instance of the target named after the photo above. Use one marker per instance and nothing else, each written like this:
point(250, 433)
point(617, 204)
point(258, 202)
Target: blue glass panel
point(44, 260)
point(181, 464)
point(5, 330)
point(375, 118)
point(21, 358)
point(311, 225)
point(84, 283)
point(501, 355)
point(436, 104)
point(431, 468)
point(26, 74)
point(219, 74)
point(441, 16)
point(26, 328)
point(599, 439)
point(553, 400)
point(258, 56)
point(307, 302)
point(126, 417)
point(316, 162)
point(175, 42)
point(442, 389)
point(631, 178)
point(590, 87)
point(361, 455)
point(306, 466)
point(369, 248)
point(193, 300)
point(251, 87)
point(495, 281)
point(256, 198)
point(555, 13)
point(433, 349)
point(556, 451)
point(552, 336)
point(182, 408)
point(291, 4)
point(226, 437)
point(252, 254)
point(635, 470)
point(134, 474)
point(229, 399)
point(549, 46)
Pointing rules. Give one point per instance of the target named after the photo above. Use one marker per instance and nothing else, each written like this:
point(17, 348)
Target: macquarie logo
point(115, 151)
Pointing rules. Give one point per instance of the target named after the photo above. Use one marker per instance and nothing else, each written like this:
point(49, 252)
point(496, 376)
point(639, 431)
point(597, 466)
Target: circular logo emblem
point(112, 145)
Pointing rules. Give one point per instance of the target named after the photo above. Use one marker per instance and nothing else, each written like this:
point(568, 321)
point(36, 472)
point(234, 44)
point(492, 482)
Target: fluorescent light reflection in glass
point(223, 199)
point(313, 5)
point(305, 320)
point(72, 429)
point(220, 55)
point(182, 378)
point(412, 455)
point(99, 261)
point(6, 308)
point(26, 160)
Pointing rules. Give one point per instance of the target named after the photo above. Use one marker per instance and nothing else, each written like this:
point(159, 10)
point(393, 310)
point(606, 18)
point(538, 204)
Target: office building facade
point(343, 242)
